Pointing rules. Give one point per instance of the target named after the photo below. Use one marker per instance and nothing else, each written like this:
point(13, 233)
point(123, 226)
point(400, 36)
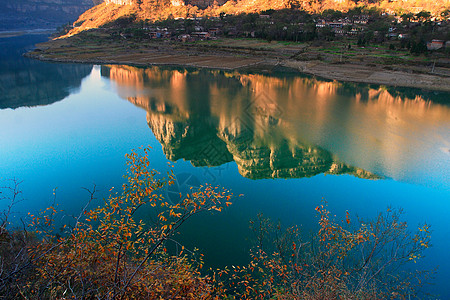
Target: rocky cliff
point(111, 10)
point(120, 2)
point(31, 14)
point(199, 3)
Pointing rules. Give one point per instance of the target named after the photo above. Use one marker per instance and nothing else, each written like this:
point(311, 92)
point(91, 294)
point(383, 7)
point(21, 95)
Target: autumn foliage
point(365, 260)
point(112, 252)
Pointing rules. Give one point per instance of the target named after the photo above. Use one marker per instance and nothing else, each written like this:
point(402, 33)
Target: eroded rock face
point(205, 3)
point(281, 160)
point(120, 2)
point(199, 3)
point(199, 141)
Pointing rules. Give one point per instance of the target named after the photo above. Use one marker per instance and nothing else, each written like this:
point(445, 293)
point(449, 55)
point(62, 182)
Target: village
point(406, 30)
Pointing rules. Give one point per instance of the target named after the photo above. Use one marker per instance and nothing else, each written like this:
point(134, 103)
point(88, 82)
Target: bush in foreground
point(110, 253)
point(364, 260)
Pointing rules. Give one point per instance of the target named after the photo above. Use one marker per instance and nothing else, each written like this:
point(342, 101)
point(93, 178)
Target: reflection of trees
point(26, 82)
point(405, 93)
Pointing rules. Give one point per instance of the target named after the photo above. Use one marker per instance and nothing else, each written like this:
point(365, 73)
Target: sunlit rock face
point(205, 3)
point(199, 3)
point(153, 10)
point(29, 14)
point(120, 2)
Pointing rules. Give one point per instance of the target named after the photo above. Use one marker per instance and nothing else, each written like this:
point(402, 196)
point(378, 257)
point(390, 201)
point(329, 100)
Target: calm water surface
point(283, 140)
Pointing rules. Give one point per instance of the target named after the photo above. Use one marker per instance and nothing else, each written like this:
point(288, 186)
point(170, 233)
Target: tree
point(13, 243)
point(345, 260)
point(418, 48)
point(108, 253)
point(423, 16)
point(406, 18)
point(445, 15)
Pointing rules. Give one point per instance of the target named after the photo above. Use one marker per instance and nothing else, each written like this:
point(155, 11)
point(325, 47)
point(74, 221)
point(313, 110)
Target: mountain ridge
point(32, 14)
point(156, 10)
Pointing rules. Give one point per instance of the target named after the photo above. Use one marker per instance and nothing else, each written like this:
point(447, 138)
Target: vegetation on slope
point(154, 10)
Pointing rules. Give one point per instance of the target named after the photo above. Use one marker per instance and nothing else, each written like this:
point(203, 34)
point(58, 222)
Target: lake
point(282, 139)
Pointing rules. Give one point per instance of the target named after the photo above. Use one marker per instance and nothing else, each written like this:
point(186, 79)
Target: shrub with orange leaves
point(346, 260)
point(108, 253)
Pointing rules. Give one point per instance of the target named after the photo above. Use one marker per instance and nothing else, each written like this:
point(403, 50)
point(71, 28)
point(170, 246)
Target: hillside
point(152, 10)
point(31, 14)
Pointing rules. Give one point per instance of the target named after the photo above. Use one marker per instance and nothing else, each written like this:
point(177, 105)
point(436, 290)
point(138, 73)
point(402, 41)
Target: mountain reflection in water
point(27, 82)
point(287, 125)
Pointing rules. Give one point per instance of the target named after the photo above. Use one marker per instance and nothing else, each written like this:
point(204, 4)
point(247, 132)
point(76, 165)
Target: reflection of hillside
point(257, 159)
point(212, 133)
point(279, 125)
point(26, 82)
point(192, 139)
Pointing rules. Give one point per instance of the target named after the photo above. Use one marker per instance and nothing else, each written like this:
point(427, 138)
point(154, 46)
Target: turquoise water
point(283, 140)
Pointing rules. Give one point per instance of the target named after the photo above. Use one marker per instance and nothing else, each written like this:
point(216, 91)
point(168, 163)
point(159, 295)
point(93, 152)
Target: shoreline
point(21, 32)
point(63, 51)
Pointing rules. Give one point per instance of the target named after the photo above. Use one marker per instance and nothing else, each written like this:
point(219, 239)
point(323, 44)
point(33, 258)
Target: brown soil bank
point(373, 75)
point(242, 55)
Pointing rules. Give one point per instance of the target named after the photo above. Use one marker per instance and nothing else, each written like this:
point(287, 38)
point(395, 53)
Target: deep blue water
point(283, 140)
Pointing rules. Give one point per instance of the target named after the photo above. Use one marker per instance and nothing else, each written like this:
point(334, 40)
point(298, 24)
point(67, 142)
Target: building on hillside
point(361, 19)
point(321, 24)
point(336, 25)
point(435, 45)
point(201, 35)
point(184, 38)
point(214, 31)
